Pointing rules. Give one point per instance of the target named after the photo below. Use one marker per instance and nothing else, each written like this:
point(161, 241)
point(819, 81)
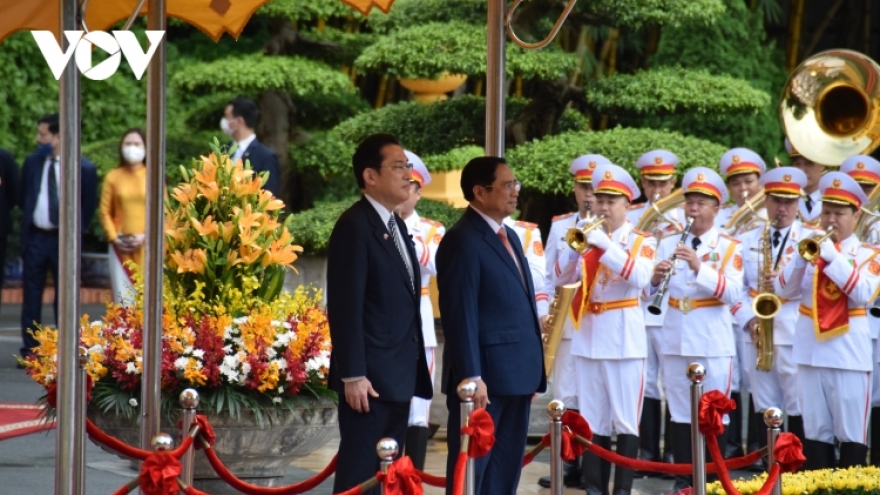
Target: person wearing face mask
point(123, 212)
point(40, 192)
point(238, 122)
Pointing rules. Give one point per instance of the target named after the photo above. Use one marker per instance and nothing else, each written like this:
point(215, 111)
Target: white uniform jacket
point(561, 262)
point(693, 330)
point(533, 249)
point(664, 229)
point(813, 215)
point(426, 235)
point(625, 269)
point(856, 273)
point(752, 242)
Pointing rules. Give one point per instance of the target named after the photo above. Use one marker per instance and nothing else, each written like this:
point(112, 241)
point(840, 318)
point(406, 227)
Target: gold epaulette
point(729, 237)
point(871, 247)
point(564, 215)
point(636, 206)
point(526, 225)
point(641, 233)
point(435, 223)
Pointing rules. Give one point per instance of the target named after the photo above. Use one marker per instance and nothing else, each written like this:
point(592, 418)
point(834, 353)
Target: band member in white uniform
point(777, 387)
point(610, 346)
point(832, 346)
point(533, 249)
point(866, 171)
point(562, 259)
point(705, 281)
point(811, 202)
point(741, 169)
point(657, 177)
point(426, 235)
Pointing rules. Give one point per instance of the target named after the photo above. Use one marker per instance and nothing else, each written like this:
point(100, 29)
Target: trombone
point(809, 247)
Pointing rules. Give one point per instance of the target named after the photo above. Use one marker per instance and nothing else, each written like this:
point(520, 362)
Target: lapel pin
point(385, 236)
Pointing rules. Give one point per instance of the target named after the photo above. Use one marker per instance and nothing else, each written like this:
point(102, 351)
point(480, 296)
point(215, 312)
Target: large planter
point(258, 455)
point(96, 270)
point(431, 90)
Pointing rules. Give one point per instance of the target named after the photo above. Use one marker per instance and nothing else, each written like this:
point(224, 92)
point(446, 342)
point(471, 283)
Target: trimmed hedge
point(308, 10)
point(427, 50)
point(454, 159)
point(543, 165)
point(670, 90)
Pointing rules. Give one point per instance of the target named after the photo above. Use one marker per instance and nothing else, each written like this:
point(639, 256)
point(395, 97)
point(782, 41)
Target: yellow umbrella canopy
point(213, 17)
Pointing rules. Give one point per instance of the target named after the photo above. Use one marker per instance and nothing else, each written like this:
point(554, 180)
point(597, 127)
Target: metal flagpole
point(154, 247)
point(71, 423)
point(496, 41)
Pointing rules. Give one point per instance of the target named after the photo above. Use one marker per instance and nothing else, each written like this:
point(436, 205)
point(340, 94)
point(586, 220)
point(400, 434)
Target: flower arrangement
point(850, 481)
point(228, 330)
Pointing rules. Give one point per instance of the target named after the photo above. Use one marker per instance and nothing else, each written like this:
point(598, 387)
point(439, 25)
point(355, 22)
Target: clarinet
point(654, 307)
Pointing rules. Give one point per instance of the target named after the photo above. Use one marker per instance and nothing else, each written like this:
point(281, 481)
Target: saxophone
point(766, 304)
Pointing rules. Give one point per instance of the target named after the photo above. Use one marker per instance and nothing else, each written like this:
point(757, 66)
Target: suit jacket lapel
point(384, 237)
point(492, 239)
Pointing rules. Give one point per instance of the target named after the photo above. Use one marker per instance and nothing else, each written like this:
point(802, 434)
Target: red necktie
point(502, 234)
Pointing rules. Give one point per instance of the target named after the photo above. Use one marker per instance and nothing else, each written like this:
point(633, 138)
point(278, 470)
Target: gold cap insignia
point(735, 159)
point(860, 165)
point(592, 164)
point(608, 175)
point(836, 183)
point(786, 178)
point(701, 178)
point(658, 160)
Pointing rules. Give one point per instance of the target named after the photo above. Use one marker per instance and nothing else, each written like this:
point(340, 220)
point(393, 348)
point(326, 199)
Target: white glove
point(827, 251)
point(598, 237)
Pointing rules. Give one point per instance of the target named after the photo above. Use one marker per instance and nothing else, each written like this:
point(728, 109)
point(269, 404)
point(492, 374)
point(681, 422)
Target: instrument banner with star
point(589, 271)
point(830, 306)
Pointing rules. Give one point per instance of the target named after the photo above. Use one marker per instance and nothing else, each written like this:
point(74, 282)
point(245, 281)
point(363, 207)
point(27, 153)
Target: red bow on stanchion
point(402, 478)
point(481, 429)
point(159, 474)
point(789, 452)
point(574, 425)
point(713, 406)
point(206, 431)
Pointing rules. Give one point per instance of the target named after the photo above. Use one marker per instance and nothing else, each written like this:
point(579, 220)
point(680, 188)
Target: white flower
point(199, 353)
point(271, 353)
point(282, 363)
point(287, 325)
point(227, 333)
point(275, 323)
point(227, 349)
point(96, 348)
point(188, 349)
point(241, 320)
point(281, 390)
point(276, 400)
point(246, 368)
point(49, 378)
point(133, 402)
point(131, 368)
point(181, 362)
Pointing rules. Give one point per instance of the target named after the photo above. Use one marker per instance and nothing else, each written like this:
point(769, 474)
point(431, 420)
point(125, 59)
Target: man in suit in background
point(239, 121)
point(8, 195)
point(41, 176)
point(373, 298)
point(487, 305)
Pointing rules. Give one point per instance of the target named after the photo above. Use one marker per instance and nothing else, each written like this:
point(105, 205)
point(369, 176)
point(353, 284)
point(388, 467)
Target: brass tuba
point(766, 304)
point(743, 218)
point(655, 214)
point(830, 106)
point(869, 217)
point(556, 321)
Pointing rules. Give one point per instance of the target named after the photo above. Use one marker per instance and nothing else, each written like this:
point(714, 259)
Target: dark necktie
point(695, 243)
point(809, 204)
point(392, 228)
point(777, 238)
point(53, 193)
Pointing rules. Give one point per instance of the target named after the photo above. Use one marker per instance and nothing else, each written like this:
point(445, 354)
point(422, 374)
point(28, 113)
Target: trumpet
point(577, 237)
point(654, 307)
point(809, 247)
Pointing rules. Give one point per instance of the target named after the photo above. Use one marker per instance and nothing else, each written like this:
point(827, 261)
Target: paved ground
point(27, 463)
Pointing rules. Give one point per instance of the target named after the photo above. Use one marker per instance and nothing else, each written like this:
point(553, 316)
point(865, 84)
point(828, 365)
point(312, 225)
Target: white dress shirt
point(41, 210)
point(243, 146)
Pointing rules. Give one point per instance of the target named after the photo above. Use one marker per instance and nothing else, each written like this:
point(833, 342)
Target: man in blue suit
point(487, 305)
point(41, 177)
point(239, 121)
point(378, 361)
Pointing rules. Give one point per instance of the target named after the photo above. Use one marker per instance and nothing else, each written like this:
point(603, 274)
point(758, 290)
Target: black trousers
point(41, 256)
point(358, 435)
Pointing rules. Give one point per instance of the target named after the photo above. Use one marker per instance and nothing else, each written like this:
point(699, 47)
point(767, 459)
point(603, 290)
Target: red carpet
point(21, 419)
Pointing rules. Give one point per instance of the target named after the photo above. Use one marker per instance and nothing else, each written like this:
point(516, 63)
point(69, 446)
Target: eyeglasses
point(509, 186)
point(398, 169)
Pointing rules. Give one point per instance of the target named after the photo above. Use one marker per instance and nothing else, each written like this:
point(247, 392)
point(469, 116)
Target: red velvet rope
point(458, 478)
point(402, 478)
point(193, 491)
point(430, 479)
point(481, 430)
point(250, 489)
point(113, 444)
point(128, 487)
point(724, 476)
point(184, 446)
point(159, 474)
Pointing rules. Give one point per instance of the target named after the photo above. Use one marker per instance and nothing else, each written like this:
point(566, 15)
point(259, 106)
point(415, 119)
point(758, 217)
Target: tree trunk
point(276, 123)
point(794, 34)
